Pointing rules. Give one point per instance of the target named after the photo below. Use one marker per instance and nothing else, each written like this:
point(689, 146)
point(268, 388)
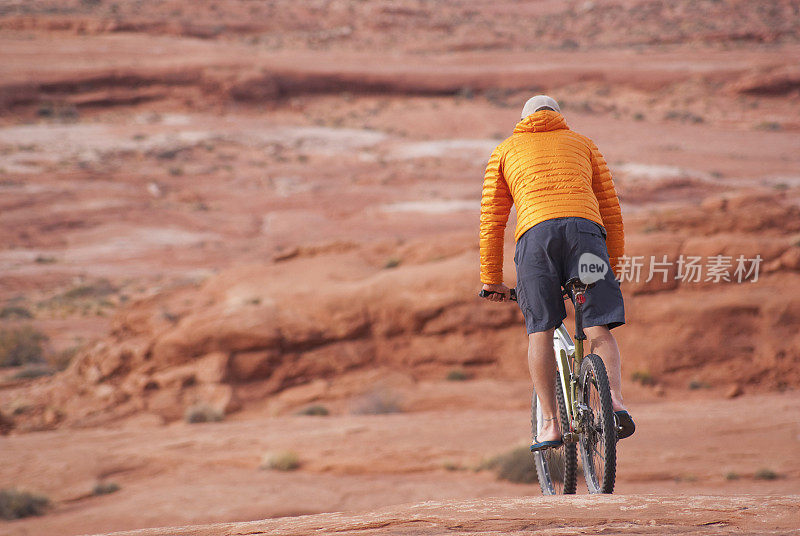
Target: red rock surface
point(262, 206)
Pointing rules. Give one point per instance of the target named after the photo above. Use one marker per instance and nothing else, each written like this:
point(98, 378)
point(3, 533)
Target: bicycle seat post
point(580, 299)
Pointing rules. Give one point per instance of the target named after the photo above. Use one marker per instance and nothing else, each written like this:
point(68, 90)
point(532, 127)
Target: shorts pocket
point(590, 227)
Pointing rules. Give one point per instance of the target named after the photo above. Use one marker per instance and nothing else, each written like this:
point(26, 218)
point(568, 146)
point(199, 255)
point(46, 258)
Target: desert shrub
point(203, 413)
point(281, 461)
point(16, 504)
point(394, 262)
point(765, 474)
point(29, 373)
point(769, 125)
point(98, 289)
point(457, 375)
point(694, 385)
point(61, 360)
point(378, 402)
point(20, 346)
point(515, 465)
point(643, 377)
point(104, 488)
point(731, 475)
point(316, 409)
point(15, 311)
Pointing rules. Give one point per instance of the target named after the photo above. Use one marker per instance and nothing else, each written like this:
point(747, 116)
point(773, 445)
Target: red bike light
point(580, 298)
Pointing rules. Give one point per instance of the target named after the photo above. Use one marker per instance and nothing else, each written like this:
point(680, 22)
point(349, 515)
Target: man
point(566, 206)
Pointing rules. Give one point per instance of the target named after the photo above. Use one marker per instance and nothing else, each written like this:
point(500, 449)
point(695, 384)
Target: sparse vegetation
point(203, 413)
point(515, 465)
point(43, 259)
point(105, 488)
point(30, 373)
point(378, 402)
point(694, 385)
point(769, 125)
point(643, 377)
point(176, 171)
point(16, 504)
point(21, 346)
point(15, 312)
point(765, 474)
point(281, 461)
point(61, 360)
point(457, 375)
point(731, 475)
point(99, 289)
point(683, 116)
point(315, 410)
point(451, 466)
point(394, 262)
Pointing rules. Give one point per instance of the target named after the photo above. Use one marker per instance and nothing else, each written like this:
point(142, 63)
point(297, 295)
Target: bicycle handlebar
point(512, 293)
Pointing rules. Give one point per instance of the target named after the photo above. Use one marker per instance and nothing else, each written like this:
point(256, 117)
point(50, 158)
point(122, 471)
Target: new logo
point(591, 268)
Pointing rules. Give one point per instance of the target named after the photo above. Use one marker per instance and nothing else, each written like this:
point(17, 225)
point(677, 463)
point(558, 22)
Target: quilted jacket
point(547, 171)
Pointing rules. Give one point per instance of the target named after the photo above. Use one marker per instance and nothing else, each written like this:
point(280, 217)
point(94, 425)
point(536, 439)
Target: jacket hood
point(541, 121)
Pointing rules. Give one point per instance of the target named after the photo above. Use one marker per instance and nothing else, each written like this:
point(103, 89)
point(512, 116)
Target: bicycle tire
point(556, 469)
point(598, 439)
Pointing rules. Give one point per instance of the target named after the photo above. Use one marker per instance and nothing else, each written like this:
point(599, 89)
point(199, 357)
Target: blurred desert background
point(264, 216)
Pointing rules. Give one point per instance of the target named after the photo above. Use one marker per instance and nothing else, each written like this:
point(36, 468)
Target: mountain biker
point(566, 206)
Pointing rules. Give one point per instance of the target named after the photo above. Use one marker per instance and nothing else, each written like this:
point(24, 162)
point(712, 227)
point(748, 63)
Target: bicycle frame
point(569, 355)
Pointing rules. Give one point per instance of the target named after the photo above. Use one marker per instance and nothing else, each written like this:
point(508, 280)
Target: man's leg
point(603, 343)
point(542, 365)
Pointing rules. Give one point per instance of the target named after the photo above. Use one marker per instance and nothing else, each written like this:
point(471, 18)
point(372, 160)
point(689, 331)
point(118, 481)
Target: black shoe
point(544, 445)
point(625, 425)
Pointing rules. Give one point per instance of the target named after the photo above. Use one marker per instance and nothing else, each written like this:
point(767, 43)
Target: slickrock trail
point(647, 514)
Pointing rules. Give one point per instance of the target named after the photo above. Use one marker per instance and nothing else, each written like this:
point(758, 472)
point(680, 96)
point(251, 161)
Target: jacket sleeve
point(495, 206)
point(610, 212)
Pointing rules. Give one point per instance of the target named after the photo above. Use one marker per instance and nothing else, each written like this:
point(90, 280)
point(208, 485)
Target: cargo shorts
point(547, 257)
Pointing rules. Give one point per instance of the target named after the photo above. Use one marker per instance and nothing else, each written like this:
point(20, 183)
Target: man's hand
point(501, 288)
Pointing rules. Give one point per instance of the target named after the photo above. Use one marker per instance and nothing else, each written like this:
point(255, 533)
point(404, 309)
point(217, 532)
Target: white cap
point(539, 101)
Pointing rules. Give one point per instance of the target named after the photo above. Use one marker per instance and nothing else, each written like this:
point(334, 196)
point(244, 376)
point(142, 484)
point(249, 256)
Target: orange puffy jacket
point(548, 171)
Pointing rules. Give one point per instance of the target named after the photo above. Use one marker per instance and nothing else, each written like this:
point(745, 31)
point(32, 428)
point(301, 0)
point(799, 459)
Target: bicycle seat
point(575, 284)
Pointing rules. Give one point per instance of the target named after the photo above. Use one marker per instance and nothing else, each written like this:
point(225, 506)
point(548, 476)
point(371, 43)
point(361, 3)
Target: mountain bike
point(585, 414)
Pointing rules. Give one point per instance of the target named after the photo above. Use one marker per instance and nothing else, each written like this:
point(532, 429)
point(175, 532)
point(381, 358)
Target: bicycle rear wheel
point(598, 440)
point(557, 469)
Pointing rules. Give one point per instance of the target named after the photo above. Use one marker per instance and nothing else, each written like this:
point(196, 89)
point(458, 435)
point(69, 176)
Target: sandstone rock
point(176, 377)
point(734, 391)
point(6, 423)
point(247, 366)
point(212, 368)
point(791, 259)
point(220, 397)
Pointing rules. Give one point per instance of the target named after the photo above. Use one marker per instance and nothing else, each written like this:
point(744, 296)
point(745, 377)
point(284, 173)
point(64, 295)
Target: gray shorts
point(547, 257)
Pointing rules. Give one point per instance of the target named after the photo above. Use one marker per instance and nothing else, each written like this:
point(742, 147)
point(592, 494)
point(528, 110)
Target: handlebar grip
point(512, 294)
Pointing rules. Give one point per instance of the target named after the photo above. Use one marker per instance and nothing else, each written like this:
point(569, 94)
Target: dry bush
point(378, 402)
point(21, 346)
point(515, 465)
point(30, 373)
point(105, 488)
point(315, 410)
point(765, 474)
point(281, 461)
point(457, 375)
point(203, 413)
point(16, 504)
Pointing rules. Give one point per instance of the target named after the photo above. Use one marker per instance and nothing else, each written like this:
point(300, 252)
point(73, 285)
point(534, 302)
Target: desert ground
point(253, 210)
